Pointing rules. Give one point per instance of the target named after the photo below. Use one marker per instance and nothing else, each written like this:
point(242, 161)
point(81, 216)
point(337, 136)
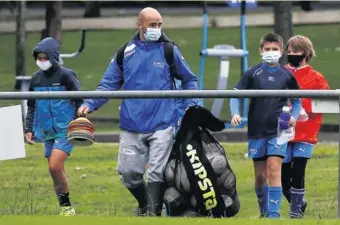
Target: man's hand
point(28, 137)
point(83, 111)
point(236, 120)
point(292, 122)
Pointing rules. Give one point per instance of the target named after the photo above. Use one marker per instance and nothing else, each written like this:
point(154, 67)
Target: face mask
point(295, 60)
point(271, 57)
point(46, 65)
point(152, 34)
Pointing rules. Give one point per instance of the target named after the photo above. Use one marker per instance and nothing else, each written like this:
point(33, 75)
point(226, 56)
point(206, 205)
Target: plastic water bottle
point(285, 132)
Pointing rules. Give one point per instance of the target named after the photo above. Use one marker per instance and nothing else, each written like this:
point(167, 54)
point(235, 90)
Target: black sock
point(286, 173)
point(298, 172)
point(64, 199)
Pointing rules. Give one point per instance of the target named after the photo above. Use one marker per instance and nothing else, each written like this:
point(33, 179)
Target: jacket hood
point(49, 46)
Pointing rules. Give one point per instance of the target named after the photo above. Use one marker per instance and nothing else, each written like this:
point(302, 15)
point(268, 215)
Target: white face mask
point(152, 34)
point(271, 57)
point(46, 65)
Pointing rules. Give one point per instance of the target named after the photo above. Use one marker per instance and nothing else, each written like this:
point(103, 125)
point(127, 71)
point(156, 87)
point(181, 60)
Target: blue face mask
point(152, 34)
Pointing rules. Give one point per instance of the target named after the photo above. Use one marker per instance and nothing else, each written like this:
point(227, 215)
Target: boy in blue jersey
point(48, 119)
point(263, 116)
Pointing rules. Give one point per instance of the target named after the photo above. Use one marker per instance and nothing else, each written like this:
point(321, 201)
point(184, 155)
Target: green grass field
point(157, 221)
point(26, 189)
point(86, 220)
point(101, 46)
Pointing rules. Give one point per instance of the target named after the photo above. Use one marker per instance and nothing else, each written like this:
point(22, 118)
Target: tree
point(283, 22)
point(52, 20)
point(20, 69)
point(306, 5)
point(92, 9)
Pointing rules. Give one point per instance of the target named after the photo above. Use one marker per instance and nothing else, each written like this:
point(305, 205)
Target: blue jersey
point(264, 112)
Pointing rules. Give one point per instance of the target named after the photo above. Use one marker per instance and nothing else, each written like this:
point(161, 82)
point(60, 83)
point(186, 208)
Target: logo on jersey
point(271, 78)
point(158, 64)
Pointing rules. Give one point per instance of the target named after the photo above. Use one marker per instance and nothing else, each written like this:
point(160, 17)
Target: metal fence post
point(25, 83)
point(339, 159)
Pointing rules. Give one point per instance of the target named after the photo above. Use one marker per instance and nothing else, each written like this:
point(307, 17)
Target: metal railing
point(328, 94)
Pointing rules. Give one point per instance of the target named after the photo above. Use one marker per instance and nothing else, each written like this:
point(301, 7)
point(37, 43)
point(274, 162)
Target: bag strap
point(120, 56)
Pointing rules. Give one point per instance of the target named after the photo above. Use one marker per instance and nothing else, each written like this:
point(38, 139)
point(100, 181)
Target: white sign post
point(12, 143)
point(325, 106)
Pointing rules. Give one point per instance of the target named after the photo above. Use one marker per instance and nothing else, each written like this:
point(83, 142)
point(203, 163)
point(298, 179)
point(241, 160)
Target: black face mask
point(295, 60)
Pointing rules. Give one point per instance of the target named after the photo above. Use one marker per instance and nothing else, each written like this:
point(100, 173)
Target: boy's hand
point(292, 122)
point(83, 111)
point(236, 120)
point(28, 137)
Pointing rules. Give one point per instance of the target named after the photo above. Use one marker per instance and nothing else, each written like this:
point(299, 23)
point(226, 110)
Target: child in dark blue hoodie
point(48, 119)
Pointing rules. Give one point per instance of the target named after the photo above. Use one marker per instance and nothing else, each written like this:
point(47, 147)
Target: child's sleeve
point(296, 102)
point(246, 80)
point(320, 83)
point(292, 83)
point(30, 113)
point(244, 83)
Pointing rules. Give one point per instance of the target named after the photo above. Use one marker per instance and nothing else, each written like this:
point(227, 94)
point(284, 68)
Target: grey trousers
point(137, 150)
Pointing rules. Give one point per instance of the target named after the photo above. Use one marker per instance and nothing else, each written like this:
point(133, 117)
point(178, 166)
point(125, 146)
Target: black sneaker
point(141, 212)
point(296, 216)
point(303, 208)
point(263, 215)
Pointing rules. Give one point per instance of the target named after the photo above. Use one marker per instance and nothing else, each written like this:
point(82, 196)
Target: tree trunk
point(92, 9)
point(283, 22)
point(306, 6)
point(20, 42)
point(52, 20)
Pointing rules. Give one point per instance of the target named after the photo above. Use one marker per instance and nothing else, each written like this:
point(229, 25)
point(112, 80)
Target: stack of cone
point(81, 132)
